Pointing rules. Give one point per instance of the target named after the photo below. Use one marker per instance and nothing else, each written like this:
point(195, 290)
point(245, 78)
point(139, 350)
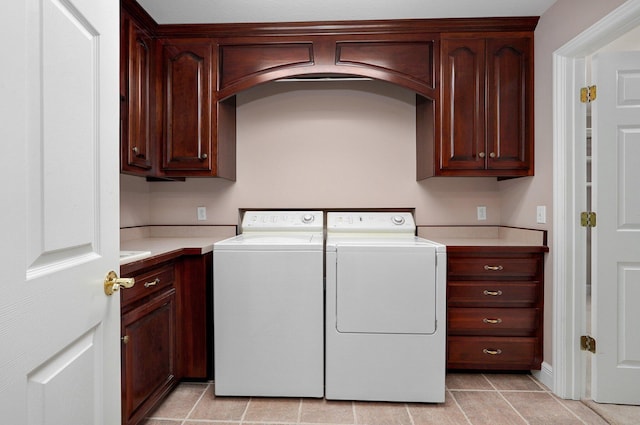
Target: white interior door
point(59, 332)
point(616, 238)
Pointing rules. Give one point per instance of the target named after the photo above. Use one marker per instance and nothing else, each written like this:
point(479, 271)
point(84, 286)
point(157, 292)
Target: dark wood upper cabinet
point(241, 61)
point(135, 81)
point(196, 132)
point(487, 105)
point(510, 104)
point(186, 104)
point(407, 59)
point(473, 80)
point(463, 105)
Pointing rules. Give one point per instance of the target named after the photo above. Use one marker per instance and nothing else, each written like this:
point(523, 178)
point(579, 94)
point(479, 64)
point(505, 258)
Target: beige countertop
point(153, 241)
point(489, 236)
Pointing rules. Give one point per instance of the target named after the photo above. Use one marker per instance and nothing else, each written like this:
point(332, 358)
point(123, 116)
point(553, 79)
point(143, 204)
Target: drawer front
point(492, 268)
point(492, 294)
point(491, 353)
point(492, 321)
point(148, 283)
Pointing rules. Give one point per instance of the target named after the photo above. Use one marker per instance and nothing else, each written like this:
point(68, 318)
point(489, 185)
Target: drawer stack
point(494, 309)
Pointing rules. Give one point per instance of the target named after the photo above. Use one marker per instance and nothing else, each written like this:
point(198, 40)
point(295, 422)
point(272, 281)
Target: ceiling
point(237, 11)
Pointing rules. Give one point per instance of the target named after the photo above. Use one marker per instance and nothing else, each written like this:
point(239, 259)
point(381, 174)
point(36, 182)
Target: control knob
point(397, 220)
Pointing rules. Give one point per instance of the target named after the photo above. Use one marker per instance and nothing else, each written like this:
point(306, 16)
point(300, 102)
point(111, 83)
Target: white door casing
point(59, 332)
point(616, 237)
point(569, 157)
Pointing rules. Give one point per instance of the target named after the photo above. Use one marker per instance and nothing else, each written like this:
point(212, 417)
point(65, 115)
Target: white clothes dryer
point(385, 310)
point(268, 306)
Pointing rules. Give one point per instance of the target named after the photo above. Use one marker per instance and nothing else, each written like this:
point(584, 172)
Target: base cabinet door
point(148, 355)
point(194, 322)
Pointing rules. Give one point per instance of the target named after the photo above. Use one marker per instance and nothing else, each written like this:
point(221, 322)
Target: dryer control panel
point(371, 222)
point(282, 221)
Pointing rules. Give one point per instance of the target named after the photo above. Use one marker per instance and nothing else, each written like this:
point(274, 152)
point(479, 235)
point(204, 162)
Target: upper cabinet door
point(510, 104)
point(187, 73)
point(463, 105)
point(487, 105)
point(135, 93)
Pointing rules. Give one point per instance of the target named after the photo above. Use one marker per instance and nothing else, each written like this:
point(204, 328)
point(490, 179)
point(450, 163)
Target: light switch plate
point(482, 213)
point(541, 214)
point(202, 213)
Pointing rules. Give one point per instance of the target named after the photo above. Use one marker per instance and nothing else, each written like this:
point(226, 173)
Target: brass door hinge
point(588, 219)
point(587, 343)
point(588, 94)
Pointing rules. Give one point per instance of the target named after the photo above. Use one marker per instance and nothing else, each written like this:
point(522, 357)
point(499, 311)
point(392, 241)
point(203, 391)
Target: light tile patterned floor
point(471, 399)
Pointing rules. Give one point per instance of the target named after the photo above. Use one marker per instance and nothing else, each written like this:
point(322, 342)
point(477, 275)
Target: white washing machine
point(268, 306)
point(385, 310)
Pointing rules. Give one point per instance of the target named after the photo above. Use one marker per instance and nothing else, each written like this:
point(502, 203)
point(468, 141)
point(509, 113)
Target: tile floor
point(471, 399)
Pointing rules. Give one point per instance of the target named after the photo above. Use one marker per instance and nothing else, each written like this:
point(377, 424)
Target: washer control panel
point(371, 222)
point(282, 221)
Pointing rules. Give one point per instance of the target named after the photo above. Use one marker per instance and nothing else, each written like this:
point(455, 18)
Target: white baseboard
point(544, 375)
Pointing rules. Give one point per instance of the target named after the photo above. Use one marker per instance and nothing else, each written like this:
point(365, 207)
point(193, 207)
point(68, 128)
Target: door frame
point(569, 239)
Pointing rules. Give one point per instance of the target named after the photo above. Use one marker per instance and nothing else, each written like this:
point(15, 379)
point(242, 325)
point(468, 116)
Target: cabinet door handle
point(152, 283)
point(204, 156)
point(492, 155)
point(481, 154)
point(136, 151)
point(492, 321)
point(492, 293)
point(494, 268)
point(492, 351)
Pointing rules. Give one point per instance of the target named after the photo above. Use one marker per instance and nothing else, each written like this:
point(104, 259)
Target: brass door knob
point(112, 283)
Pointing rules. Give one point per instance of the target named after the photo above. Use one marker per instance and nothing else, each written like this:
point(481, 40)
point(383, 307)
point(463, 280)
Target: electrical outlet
point(541, 214)
point(482, 213)
point(202, 213)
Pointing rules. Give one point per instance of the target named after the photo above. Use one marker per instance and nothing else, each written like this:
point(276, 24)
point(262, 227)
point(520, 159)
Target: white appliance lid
point(379, 240)
point(272, 241)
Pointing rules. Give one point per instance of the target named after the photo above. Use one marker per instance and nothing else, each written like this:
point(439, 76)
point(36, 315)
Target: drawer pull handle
point(492, 321)
point(152, 283)
point(494, 268)
point(492, 352)
point(492, 293)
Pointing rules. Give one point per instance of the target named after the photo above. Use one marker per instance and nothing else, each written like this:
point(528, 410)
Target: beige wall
point(352, 145)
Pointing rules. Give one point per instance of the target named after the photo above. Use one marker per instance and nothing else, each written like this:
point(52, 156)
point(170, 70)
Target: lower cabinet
point(194, 320)
point(494, 308)
point(166, 329)
point(148, 331)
